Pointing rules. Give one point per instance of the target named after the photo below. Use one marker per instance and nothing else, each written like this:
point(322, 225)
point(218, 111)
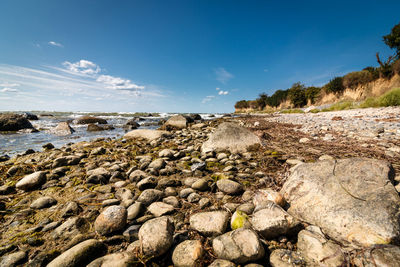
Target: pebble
point(112, 219)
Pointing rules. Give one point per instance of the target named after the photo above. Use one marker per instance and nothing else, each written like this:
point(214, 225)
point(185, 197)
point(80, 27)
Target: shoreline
point(101, 193)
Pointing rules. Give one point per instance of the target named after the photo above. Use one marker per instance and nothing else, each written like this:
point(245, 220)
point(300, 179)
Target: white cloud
point(217, 88)
point(6, 84)
point(207, 99)
point(82, 67)
point(118, 83)
point(266, 70)
point(223, 92)
point(55, 44)
point(223, 75)
point(8, 89)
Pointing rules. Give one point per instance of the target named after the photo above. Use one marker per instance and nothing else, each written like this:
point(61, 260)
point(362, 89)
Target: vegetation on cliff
point(299, 95)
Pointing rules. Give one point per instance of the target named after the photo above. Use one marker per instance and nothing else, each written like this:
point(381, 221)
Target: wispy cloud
point(118, 83)
point(55, 44)
point(83, 67)
point(222, 75)
point(8, 89)
point(207, 99)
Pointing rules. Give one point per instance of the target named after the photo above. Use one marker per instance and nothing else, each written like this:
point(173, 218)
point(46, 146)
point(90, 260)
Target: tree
point(262, 100)
point(393, 39)
point(297, 95)
point(312, 93)
point(241, 104)
point(335, 85)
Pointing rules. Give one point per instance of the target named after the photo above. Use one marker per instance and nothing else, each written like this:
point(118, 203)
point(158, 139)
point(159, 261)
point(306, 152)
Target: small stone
point(147, 183)
point(137, 175)
point(316, 248)
point(112, 219)
point(149, 196)
point(132, 232)
point(134, 210)
point(229, 187)
point(201, 185)
point(71, 208)
point(272, 221)
point(43, 202)
point(187, 253)
point(160, 208)
point(110, 202)
point(239, 246)
point(193, 198)
point(173, 201)
point(286, 258)
point(157, 164)
point(222, 263)
point(204, 202)
point(156, 236)
point(266, 195)
point(13, 259)
point(31, 181)
point(184, 193)
point(211, 223)
point(80, 255)
point(119, 259)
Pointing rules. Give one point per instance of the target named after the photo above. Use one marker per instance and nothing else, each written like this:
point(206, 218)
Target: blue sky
point(179, 56)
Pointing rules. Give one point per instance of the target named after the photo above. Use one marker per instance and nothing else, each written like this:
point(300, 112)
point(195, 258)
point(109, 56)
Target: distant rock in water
point(62, 128)
point(90, 119)
point(14, 122)
point(94, 127)
point(196, 117)
point(131, 124)
point(30, 116)
point(232, 137)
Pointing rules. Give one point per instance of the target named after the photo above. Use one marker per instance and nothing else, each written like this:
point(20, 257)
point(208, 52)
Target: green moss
point(239, 220)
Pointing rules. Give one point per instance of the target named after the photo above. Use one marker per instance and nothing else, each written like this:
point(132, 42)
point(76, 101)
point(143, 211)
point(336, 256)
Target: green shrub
point(341, 106)
point(371, 102)
point(374, 72)
point(297, 95)
point(312, 93)
point(356, 78)
point(241, 104)
point(315, 110)
point(335, 86)
point(391, 98)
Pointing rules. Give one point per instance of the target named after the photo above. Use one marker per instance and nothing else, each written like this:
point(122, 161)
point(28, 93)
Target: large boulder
point(352, 200)
point(232, 137)
point(62, 128)
point(90, 119)
point(147, 134)
point(14, 122)
point(176, 122)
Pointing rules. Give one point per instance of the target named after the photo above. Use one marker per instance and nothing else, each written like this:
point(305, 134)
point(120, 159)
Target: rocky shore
point(288, 190)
